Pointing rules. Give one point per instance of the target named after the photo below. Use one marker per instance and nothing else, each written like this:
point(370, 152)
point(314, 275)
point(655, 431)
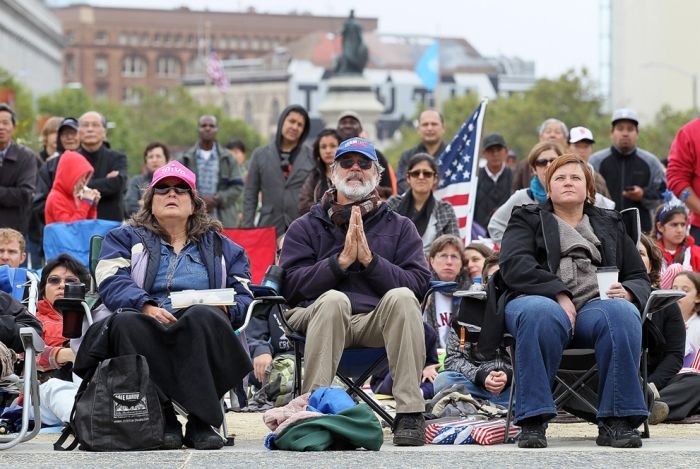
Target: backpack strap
point(69, 429)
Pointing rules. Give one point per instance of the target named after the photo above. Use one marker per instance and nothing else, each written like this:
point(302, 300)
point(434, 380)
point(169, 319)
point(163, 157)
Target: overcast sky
point(556, 34)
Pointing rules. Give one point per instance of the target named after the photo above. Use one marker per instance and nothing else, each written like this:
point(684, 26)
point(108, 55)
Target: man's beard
point(355, 192)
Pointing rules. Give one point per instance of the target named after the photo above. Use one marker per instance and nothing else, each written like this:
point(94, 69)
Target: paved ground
point(570, 445)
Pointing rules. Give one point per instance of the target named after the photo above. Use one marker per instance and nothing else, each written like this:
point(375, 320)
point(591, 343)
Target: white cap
point(625, 114)
point(578, 134)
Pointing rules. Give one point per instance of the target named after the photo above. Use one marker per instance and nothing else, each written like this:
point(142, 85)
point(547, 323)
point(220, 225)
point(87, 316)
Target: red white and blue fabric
point(469, 432)
point(458, 170)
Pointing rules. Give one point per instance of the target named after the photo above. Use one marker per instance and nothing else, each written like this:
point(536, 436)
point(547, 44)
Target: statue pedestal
point(351, 93)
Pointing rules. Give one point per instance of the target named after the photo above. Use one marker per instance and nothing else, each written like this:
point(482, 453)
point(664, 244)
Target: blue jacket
point(129, 263)
point(310, 259)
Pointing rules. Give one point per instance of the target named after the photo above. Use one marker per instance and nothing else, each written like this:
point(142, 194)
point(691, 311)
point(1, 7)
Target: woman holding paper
point(548, 261)
point(194, 357)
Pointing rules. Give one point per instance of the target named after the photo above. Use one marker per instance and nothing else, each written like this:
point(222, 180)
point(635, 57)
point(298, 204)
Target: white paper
point(216, 297)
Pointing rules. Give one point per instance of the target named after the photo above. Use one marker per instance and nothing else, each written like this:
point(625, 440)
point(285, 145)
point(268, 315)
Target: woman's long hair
point(197, 224)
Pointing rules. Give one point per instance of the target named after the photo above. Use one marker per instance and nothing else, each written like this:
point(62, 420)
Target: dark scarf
point(340, 214)
point(421, 217)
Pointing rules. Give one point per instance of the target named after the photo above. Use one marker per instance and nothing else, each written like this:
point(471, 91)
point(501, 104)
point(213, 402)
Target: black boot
point(532, 433)
point(201, 435)
point(172, 437)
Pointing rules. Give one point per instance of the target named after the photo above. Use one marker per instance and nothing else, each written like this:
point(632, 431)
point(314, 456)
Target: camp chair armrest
point(31, 339)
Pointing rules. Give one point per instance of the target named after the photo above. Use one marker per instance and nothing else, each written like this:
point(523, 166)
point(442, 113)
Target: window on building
point(178, 40)
point(248, 112)
point(69, 37)
point(134, 66)
point(101, 91)
point(145, 39)
point(168, 67)
point(223, 43)
point(244, 43)
point(123, 39)
point(233, 42)
point(274, 111)
point(156, 39)
point(101, 66)
point(134, 39)
point(166, 40)
point(69, 65)
point(101, 38)
point(266, 44)
point(190, 40)
point(132, 95)
point(255, 43)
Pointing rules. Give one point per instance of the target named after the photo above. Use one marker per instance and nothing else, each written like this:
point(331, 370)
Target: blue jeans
point(448, 378)
point(542, 331)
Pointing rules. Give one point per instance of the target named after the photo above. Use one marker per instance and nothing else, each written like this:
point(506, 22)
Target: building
point(652, 58)
point(31, 44)
point(113, 52)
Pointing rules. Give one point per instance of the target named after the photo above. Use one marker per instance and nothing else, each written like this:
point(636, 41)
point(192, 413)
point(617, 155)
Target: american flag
point(458, 168)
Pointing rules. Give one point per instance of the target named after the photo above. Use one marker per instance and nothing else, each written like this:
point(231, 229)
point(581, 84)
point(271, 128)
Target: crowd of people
point(360, 242)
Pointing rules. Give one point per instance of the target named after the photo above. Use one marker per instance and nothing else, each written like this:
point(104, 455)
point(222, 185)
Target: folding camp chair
point(74, 238)
point(357, 364)
point(22, 284)
point(260, 244)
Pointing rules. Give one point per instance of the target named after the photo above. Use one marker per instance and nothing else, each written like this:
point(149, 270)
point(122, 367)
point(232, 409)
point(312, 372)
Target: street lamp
point(674, 68)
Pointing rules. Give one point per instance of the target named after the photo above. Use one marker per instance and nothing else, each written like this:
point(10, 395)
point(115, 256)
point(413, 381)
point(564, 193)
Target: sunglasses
point(179, 189)
point(543, 163)
point(421, 172)
point(53, 280)
point(347, 163)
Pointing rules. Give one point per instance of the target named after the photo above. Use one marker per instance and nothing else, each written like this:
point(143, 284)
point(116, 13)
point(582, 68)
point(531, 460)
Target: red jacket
point(52, 323)
point(61, 204)
point(689, 243)
point(684, 163)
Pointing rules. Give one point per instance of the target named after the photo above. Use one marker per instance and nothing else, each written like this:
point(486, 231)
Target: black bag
point(117, 409)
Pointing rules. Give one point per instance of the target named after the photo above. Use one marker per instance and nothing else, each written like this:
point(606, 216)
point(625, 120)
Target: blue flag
point(428, 67)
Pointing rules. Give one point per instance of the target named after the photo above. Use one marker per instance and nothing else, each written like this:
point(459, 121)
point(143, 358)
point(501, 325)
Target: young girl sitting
point(678, 248)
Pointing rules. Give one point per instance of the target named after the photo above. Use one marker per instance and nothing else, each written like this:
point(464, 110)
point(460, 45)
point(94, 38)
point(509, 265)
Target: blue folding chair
point(22, 284)
point(74, 238)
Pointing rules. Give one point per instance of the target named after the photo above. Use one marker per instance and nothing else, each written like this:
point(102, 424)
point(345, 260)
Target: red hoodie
point(61, 205)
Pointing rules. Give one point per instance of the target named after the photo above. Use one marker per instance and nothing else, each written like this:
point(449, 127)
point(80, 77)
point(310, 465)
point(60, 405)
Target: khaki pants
point(395, 324)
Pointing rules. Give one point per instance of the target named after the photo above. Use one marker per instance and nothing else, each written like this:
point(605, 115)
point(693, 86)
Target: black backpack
point(117, 409)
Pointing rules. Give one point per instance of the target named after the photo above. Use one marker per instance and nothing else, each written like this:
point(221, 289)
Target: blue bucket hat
point(356, 145)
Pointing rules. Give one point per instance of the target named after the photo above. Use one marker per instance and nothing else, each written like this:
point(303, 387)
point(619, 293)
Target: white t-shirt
point(443, 309)
point(205, 154)
point(692, 334)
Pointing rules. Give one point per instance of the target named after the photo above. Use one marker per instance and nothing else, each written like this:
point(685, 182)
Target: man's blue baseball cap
point(356, 145)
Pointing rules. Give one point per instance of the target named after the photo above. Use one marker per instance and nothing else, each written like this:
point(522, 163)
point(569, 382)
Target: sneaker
point(409, 430)
point(201, 435)
point(659, 412)
point(532, 433)
point(618, 433)
point(172, 436)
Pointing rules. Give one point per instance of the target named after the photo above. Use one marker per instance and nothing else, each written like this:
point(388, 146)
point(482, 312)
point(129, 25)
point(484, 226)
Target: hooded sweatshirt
point(280, 193)
point(61, 204)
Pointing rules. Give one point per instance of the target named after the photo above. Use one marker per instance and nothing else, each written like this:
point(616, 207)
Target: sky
point(556, 34)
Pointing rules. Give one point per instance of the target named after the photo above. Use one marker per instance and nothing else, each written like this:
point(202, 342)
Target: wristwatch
point(684, 195)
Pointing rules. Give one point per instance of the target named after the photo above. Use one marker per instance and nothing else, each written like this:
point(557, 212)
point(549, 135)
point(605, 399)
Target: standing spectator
point(277, 171)
point(349, 126)
point(635, 177)
point(12, 248)
point(683, 172)
point(218, 173)
point(353, 270)
point(67, 136)
point(581, 144)
point(495, 179)
point(318, 180)
point(155, 155)
point(18, 169)
point(431, 129)
point(551, 130)
point(49, 138)
point(70, 198)
point(110, 166)
point(237, 149)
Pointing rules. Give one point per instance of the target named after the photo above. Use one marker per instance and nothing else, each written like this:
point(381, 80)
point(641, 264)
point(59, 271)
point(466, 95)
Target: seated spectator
point(12, 248)
point(475, 254)
point(488, 380)
point(548, 262)
point(682, 393)
point(155, 155)
point(342, 293)
point(70, 199)
point(432, 217)
point(539, 159)
point(677, 246)
point(319, 180)
point(13, 317)
point(194, 356)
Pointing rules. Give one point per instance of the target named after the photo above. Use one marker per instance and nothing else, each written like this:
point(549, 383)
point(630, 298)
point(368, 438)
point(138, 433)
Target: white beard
point(355, 192)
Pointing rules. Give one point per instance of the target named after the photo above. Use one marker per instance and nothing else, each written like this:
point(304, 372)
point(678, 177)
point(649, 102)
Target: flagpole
point(475, 168)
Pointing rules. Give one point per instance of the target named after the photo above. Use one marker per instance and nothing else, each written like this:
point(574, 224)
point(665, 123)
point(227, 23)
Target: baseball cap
point(71, 122)
point(493, 140)
point(175, 169)
point(352, 114)
point(625, 114)
point(578, 134)
point(356, 145)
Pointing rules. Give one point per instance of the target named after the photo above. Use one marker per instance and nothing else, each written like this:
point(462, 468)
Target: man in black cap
point(495, 179)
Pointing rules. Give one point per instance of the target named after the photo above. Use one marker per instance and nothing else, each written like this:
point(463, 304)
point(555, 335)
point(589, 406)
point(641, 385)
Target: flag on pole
point(428, 66)
point(216, 73)
point(457, 167)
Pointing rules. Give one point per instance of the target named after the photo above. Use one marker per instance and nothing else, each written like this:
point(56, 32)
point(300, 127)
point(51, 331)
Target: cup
point(606, 277)
point(273, 277)
point(72, 310)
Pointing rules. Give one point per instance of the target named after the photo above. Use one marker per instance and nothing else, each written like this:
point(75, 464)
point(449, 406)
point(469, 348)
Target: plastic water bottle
point(273, 277)
point(476, 285)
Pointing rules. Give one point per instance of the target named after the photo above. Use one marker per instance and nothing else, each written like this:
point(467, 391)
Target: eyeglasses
point(347, 163)
point(54, 280)
point(179, 189)
point(544, 163)
point(445, 257)
point(421, 172)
